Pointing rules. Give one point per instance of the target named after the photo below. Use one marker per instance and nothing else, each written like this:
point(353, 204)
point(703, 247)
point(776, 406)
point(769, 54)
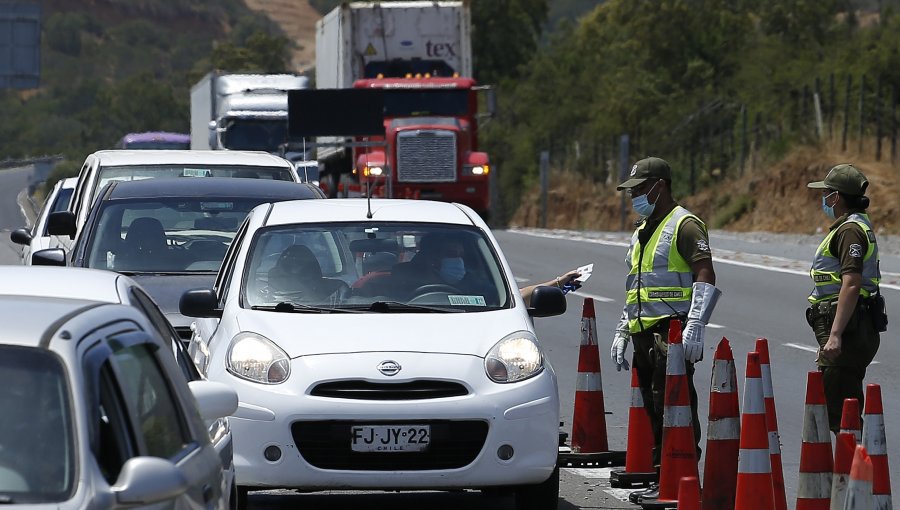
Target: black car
point(170, 235)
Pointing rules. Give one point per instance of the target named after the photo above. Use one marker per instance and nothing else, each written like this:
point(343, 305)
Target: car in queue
point(170, 235)
point(109, 287)
point(38, 238)
point(105, 166)
point(96, 413)
point(380, 344)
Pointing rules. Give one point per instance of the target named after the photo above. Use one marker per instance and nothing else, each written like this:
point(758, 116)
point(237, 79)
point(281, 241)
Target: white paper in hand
point(585, 273)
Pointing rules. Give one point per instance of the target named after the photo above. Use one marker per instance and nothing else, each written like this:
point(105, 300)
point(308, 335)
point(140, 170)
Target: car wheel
point(238, 498)
point(542, 496)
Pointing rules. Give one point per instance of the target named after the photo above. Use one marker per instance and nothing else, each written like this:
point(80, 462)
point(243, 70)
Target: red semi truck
point(419, 55)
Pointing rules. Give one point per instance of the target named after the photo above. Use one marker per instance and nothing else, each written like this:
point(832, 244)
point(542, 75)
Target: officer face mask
point(642, 205)
point(452, 269)
point(828, 209)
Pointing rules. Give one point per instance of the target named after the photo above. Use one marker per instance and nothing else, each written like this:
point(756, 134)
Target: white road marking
point(519, 279)
point(814, 350)
point(715, 326)
point(595, 297)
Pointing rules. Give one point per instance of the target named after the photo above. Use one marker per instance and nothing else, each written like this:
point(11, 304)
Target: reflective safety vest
point(659, 279)
point(826, 268)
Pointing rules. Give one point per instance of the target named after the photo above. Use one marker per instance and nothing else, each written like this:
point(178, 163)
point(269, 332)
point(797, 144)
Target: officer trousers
point(843, 376)
point(650, 350)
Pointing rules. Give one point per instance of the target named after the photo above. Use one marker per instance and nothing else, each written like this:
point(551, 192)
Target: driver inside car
point(440, 265)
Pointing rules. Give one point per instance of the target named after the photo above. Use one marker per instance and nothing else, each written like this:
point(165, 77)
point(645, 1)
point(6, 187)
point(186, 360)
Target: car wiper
point(290, 307)
point(397, 306)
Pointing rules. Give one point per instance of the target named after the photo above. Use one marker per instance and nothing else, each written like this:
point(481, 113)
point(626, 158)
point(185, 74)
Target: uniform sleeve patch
point(855, 250)
point(702, 245)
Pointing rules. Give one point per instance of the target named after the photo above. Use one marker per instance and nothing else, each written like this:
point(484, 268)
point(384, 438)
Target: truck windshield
point(422, 102)
point(375, 267)
point(254, 134)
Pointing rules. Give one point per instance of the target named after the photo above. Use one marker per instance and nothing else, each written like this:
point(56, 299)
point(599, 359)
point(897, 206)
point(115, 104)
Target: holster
point(877, 311)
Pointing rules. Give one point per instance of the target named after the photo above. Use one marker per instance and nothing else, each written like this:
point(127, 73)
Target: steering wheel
point(435, 288)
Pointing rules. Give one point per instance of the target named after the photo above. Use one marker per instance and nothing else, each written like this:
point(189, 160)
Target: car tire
point(542, 496)
point(238, 498)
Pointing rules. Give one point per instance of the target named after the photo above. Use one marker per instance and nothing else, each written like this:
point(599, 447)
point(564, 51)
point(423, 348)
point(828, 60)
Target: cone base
point(624, 480)
point(648, 504)
point(598, 459)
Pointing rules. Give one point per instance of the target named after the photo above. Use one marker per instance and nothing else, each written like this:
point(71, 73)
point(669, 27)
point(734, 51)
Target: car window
point(115, 443)
point(138, 172)
point(152, 405)
point(60, 203)
point(37, 446)
point(159, 322)
point(354, 265)
point(223, 279)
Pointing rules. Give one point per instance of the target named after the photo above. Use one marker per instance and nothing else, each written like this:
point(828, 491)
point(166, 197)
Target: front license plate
point(390, 438)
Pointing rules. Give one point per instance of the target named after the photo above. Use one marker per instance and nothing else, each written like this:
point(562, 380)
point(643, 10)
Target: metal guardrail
point(12, 163)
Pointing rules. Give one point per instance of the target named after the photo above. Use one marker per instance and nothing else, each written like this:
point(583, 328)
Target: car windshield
point(376, 267)
point(138, 172)
point(166, 235)
point(37, 452)
point(254, 134)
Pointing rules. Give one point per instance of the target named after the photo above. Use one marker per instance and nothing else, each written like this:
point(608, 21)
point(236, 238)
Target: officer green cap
point(647, 168)
point(844, 178)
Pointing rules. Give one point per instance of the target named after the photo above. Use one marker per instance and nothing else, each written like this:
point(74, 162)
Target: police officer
point(846, 306)
point(670, 277)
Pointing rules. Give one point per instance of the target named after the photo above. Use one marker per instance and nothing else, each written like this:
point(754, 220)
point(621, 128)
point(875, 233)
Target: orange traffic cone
point(723, 434)
point(850, 419)
point(589, 418)
point(679, 450)
point(844, 448)
point(689, 493)
point(873, 438)
point(859, 491)
point(814, 485)
point(639, 468)
point(762, 347)
point(590, 446)
point(754, 479)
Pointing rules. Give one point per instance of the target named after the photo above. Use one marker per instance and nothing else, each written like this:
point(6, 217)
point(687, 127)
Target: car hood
point(298, 334)
point(166, 291)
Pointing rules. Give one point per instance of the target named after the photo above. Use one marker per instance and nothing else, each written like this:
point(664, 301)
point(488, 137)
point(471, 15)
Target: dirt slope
point(772, 199)
point(298, 21)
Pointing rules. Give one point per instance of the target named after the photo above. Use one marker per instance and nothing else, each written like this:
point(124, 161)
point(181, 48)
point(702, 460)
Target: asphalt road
point(764, 287)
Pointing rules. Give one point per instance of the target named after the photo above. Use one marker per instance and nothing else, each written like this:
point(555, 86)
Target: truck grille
point(413, 390)
point(326, 445)
point(426, 156)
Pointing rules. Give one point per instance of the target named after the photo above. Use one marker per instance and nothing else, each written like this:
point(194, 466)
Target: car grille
point(413, 390)
point(326, 445)
point(426, 156)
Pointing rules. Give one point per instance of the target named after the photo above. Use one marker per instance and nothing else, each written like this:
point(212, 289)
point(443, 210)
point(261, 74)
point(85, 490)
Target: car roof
point(69, 183)
point(120, 157)
point(26, 319)
point(60, 282)
point(211, 187)
point(356, 209)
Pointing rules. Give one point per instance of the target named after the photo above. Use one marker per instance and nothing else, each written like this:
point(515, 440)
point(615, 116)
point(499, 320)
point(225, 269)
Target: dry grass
point(298, 21)
point(772, 198)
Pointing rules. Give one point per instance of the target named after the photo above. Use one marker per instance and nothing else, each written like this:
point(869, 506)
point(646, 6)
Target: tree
point(505, 36)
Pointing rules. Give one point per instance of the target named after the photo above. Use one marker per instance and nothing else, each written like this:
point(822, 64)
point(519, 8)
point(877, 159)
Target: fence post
point(846, 113)
point(893, 123)
point(693, 180)
point(831, 107)
point(862, 110)
point(743, 137)
point(818, 107)
point(878, 132)
point(545, 184)
point(623, 175)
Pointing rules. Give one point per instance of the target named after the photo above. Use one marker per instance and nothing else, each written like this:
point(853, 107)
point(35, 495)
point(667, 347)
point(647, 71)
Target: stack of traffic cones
point(850, 421)
point(762, 347)
point(814, 485)
point(639, 470)
point(688, 493)
point(876, 447)
point(723, 434)
point(844, 449)
point(679, 450)
point(754, 479)
point(859, 491)
point(590, 446)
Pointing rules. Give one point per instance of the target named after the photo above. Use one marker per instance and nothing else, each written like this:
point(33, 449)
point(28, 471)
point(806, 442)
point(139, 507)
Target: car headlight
point(477, 170)
point(515, 358)
point(258, 359)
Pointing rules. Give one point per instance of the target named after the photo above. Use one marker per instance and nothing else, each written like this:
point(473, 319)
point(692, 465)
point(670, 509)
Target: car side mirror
point(148, 480)
point(61, 223)
point(199, 303)
point(49, 257)
point(214, 399)
point(20, 236)
point(547, 302)
point(213, 139)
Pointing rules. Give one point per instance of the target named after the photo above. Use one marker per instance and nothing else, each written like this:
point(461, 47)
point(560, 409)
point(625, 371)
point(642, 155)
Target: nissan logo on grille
point(389, 367)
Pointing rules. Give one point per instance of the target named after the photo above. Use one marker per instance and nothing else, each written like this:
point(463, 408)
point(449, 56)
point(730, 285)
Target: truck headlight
point(256, 358)
point(515, 358)
point(374, 171)
point(477, 170)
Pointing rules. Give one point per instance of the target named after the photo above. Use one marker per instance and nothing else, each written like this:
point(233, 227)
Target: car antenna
point(368, 181)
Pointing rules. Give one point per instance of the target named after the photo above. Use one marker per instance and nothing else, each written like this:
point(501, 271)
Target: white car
point(109, 287)
point(95, 413)
point(104, 166)
point(37, 238)
point(382, 349)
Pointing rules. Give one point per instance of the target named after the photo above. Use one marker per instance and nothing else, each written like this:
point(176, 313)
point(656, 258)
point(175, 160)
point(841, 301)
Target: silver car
point(96, 414)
